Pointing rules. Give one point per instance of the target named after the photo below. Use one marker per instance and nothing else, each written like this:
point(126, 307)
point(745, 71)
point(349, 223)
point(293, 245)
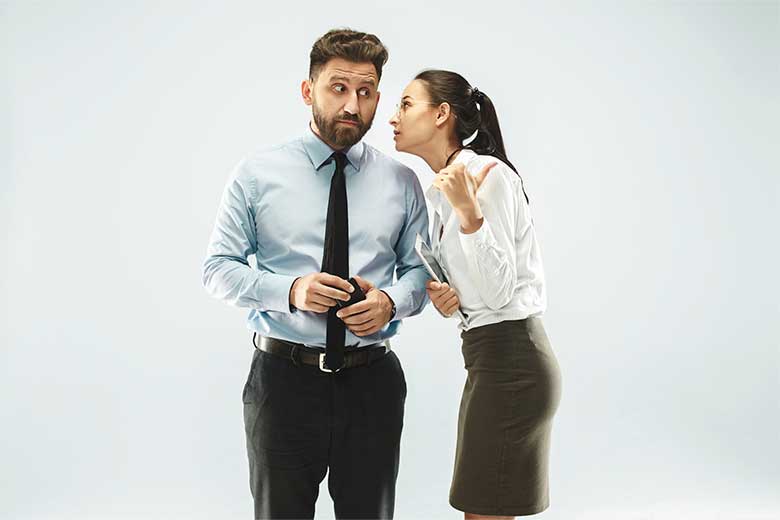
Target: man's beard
point(342, 136)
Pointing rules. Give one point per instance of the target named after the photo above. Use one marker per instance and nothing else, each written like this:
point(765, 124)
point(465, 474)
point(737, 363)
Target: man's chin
point(348, 136)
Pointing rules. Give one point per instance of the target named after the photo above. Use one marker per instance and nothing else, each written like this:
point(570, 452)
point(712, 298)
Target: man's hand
point(318, 292)
point(369, 316)
point(443, 297)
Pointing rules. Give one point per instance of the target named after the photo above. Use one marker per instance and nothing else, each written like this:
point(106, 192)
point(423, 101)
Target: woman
point(484, 238)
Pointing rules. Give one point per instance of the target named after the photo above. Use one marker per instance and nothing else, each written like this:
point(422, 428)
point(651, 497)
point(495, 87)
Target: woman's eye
point(406, 104)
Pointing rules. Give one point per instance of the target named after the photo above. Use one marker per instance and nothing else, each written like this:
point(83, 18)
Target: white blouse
point(497, 270)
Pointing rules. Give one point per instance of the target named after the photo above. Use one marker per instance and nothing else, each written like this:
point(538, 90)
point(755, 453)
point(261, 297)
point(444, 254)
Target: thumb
point(364, 284)
point(480, 177)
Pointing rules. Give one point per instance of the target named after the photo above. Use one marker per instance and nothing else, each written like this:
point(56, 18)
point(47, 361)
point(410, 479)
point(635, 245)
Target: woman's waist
point(507, 344)
point(501, 325)
point(526, 301)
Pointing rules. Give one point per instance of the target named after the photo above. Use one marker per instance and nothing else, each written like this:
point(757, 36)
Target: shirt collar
point(319, 152)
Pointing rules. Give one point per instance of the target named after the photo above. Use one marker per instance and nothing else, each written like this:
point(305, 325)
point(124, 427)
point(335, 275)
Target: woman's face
point(414, 123)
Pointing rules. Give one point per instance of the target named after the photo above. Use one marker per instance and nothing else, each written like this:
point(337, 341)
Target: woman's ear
point(444, 113)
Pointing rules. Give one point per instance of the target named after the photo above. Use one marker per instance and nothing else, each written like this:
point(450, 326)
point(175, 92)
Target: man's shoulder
point(388, 163)
point(274, 151)
point(257, 162)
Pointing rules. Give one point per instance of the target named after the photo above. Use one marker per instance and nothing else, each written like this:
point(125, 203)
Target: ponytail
point(474, 113)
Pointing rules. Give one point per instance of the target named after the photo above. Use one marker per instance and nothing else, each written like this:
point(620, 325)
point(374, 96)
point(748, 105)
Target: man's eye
point(364, 92)
point(406, 104)
point(338, 88)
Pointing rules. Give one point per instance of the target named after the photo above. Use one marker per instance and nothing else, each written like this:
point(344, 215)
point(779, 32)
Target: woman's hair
point(473, 110)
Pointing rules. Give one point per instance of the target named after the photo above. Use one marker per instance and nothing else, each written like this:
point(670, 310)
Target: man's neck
point(316, 131)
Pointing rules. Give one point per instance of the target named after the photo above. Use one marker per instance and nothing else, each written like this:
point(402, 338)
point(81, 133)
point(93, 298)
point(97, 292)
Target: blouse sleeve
point(490, 251)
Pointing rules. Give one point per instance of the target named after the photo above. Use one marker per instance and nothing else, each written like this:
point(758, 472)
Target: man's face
point(344, 98)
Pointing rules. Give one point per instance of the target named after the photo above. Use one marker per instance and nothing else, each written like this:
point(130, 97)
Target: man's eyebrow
point(369, 81)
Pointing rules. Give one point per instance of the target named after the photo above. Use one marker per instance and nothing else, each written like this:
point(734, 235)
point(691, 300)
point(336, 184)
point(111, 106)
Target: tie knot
point(341, 160)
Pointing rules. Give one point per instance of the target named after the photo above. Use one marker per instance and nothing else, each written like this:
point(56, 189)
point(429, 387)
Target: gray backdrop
point(645, 133)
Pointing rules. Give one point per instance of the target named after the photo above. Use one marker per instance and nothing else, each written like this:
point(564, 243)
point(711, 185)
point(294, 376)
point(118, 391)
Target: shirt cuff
point(276, 292)
point(394, 310)
point(402, 300)
point(479, 240)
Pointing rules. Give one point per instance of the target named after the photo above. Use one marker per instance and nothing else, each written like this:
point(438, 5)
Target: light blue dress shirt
point(274, 207)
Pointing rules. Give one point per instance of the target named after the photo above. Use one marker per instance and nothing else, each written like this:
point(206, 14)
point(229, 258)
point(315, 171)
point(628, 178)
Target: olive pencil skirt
point(512, 391)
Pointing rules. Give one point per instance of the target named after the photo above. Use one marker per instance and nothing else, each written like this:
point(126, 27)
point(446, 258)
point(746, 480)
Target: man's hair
point(358, 47)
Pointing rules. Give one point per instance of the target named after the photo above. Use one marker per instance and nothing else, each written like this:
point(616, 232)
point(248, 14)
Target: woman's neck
point(437, 153)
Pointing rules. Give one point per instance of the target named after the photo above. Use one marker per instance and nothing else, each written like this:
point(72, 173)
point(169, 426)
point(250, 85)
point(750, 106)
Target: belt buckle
point(323, 367)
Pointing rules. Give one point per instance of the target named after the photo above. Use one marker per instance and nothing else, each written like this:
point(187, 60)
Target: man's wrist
point(293, 308)
point(392, 305)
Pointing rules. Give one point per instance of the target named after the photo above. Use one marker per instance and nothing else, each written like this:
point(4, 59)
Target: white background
point(646, 135)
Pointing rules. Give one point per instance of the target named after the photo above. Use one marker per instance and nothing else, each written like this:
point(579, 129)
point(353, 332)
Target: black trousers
point(301, 422)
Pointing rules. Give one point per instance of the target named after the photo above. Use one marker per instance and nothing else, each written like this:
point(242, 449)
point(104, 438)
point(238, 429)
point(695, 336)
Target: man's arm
point(408, 292)
point(226, 271)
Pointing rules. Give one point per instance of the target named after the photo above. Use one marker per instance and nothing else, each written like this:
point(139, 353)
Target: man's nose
point(352, 104)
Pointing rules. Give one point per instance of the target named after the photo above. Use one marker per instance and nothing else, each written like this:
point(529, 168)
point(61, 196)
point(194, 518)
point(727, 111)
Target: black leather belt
point(299, 353)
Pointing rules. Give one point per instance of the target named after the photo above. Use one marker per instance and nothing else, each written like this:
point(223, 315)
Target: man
point(324, 391)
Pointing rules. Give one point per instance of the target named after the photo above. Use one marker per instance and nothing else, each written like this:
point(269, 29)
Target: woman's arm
point(489, 249)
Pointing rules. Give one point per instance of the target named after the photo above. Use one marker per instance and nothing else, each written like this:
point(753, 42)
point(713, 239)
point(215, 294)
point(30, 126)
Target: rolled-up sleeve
point(227, 274)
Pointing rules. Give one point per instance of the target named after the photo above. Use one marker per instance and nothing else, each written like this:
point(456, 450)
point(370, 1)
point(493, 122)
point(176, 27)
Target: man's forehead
point(358, 72)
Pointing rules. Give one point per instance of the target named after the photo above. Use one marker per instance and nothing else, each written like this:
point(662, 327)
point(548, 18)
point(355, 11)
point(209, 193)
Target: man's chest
point(290, 217)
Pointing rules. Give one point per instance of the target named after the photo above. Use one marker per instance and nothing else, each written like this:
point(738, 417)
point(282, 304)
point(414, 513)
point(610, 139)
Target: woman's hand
point(443, 297)
point(460, 188)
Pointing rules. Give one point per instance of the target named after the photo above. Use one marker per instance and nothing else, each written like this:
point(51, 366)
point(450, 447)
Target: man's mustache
point(350, 118)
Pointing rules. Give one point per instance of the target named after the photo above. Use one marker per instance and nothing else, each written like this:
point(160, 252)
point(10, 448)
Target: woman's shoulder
point(501, 175)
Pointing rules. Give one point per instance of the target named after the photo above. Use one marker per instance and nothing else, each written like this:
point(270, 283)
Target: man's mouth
point(353, 123)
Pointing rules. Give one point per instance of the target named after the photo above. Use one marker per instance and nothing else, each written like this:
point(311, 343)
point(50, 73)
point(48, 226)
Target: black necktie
point(335, 258)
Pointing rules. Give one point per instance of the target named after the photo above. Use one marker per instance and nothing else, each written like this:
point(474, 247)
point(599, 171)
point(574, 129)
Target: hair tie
point(476, 95)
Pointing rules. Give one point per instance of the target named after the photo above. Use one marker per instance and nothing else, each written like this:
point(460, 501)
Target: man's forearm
point(408, 292)
point(232, 280)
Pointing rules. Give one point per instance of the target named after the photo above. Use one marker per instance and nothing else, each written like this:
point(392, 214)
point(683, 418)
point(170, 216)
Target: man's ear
point(444, 113)
point(306, 88)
